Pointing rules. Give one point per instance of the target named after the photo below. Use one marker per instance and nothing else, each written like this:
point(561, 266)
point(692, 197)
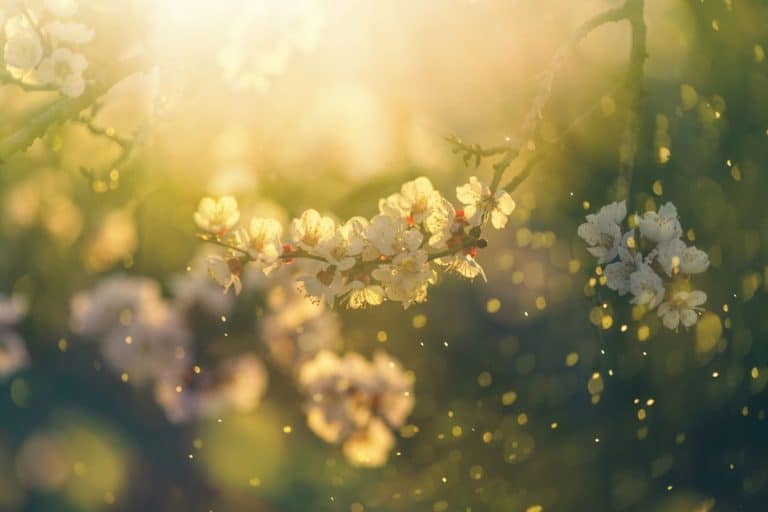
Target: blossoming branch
point(362, 262)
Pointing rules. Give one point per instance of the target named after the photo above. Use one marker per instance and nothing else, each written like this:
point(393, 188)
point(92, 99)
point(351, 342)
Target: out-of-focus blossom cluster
point(40, 45)
point(148, 341)
point(357, 403)
point(350, 400)
point(13, 350)
point(650, 261)
point(295, 329)
point(361, 262)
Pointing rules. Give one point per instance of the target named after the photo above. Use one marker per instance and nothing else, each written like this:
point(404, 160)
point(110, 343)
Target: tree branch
point(527, 131)
point(634, 95)
point(59, 111)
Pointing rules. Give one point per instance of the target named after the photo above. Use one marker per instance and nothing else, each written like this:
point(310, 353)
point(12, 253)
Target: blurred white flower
point(369, 447)
point(646, 286)
point(68, 32)
point(293, 328)
point(61, 8)
point(115, 301)
point(23, 48)
point(478, 201)
point(235, 385)
point(602, 231)
point(357, 403)
point(195, 292)
point(12, 309)
point(149, 349)
point(311, 230)
point(661, 226)
point(682, 308)
point(64, 68)
point(217, 216)
point(13, 353)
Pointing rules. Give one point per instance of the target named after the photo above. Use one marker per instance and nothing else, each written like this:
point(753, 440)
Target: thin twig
point(107, 133)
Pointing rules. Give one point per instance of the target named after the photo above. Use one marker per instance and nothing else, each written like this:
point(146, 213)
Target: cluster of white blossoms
point(13, 350)
point(361, 262)
point(148, 341)
point(650, 261)
point(357, 403)
point(40, 46)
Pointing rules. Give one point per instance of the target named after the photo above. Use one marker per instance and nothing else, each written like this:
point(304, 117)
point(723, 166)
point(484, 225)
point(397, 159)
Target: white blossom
point(646, 286)
point(618, 274)
point(389, 236)
point(661, 226)
point(478, 200)
point(217, 216)
point(346, 244)
point(693, 261)
point(674, 256)
point(415, 202)
point(682, 308)
point(325, 284)
point(64, 69)
point(262, 241)
point(23, 49)
point(602, 231)
point(311, 230)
